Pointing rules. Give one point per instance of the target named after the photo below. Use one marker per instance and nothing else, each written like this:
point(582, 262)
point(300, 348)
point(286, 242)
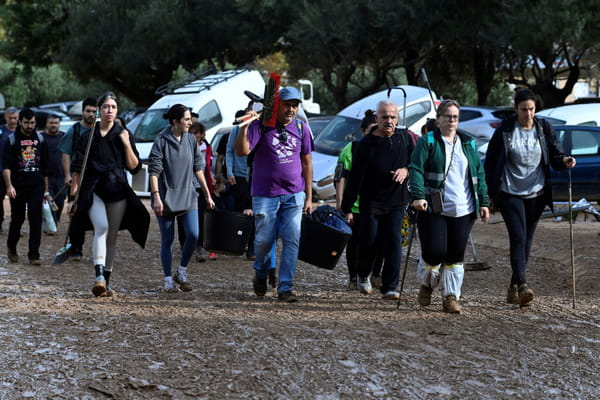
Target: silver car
point(345, 128)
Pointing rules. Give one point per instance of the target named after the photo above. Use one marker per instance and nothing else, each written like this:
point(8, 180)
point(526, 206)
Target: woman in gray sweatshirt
point(174, 161)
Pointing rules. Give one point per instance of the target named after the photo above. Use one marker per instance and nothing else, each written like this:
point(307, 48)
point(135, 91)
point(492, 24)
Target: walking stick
point(410, 241)
point(64, 252)
point(571, 236)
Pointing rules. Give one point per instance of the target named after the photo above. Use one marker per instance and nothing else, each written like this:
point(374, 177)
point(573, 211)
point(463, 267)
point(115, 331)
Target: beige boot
point(525, 295)
point(450, 305)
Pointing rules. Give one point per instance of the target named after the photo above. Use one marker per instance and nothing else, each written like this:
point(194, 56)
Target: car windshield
point(554, 121)
point(339, 132)
point(150, 126)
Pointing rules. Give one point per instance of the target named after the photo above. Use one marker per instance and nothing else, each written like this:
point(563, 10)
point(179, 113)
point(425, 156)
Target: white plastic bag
point(48, 224)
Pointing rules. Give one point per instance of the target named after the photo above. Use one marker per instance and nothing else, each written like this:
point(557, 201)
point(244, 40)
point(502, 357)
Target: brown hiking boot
point(425, 295)
point(450, 305)
point(99, 288)
point(512, 295)
point(13, 256)
point(525, 295)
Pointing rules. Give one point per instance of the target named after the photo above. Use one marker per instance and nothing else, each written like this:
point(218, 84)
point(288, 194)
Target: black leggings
point(444, 239)
point(521, 217)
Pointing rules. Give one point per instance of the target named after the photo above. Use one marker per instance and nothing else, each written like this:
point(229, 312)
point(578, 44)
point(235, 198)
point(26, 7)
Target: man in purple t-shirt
point(281, 189)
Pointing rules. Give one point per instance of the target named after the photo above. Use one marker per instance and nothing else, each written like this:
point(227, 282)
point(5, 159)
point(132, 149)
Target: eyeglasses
point(450, 117)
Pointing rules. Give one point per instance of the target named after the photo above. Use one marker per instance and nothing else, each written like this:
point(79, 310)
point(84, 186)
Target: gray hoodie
point(174, 163)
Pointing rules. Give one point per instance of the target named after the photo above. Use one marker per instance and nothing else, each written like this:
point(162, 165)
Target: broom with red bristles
point(270, 104)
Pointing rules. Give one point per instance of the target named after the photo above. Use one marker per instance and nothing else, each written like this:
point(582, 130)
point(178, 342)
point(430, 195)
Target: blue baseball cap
point(290, 93)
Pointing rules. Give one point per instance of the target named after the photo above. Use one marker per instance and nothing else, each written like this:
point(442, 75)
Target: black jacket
point(110, 156)
point(495, 159)
point(370, 177)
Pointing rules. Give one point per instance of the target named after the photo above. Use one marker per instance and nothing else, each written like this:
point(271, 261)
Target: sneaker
point(260, 286)
point(450, 305)
point(352, 285)
point(512, 295)
point(13, 256)
point(183, 282)
point(35, 261)
point(376, 282)
point(99, 288)
point(525, 295)
point(212, 256)
point(170, 288)
point(424, 297)
point(391, 295)
point(273, 278)
point(364, 285)
point(200, 257)
point(288, 297)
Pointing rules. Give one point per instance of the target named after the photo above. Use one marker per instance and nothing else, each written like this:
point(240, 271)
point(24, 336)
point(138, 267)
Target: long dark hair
point(175, 113)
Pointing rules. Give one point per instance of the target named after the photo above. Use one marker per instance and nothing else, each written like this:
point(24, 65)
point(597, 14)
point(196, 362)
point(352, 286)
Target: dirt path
point(219, 341)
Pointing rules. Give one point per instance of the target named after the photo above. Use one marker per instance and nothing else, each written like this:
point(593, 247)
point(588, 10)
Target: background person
point(25, 163)
point(378, 176)
point(341, 177)
point(106, 199)
point(56, 182)
point(446, 160)
point(68, 146)
point(517, 170)
point(175, 159)
point(11, 116)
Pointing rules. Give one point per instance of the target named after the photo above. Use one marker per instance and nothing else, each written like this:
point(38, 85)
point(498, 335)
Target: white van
point(345, 128)
point(215, 98)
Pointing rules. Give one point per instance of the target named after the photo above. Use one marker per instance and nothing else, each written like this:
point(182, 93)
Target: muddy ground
point(220, 341)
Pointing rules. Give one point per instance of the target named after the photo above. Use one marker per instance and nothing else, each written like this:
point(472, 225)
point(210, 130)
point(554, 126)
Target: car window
point(150, 126)
point(210, 115)
point(588, 123)
point(554, 121)
point(415, 112)
point(467, 115)
point(584, 143)
point(339, 132)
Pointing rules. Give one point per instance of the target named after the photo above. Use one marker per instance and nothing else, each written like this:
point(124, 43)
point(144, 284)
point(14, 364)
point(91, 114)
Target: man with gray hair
point(11, 116)
point(379, 176)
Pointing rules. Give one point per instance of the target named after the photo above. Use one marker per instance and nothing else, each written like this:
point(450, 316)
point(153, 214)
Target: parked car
point(345, 128)
point(583, 143)
point(576, 114)
point(318, 123)
point(41, 115)
point(482, 121)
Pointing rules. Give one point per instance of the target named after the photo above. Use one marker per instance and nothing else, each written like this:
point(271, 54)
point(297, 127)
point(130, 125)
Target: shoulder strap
point(40, 137)
point(300, 128)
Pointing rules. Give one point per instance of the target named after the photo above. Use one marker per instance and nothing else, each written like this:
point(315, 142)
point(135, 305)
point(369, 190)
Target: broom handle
point(85, 161)
point(571, 236)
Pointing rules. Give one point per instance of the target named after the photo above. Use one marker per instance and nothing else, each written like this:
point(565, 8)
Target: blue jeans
point(167, 235)
point(281, 214)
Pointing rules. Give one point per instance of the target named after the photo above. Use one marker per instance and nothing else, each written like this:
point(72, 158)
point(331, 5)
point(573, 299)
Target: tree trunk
point(484, 62)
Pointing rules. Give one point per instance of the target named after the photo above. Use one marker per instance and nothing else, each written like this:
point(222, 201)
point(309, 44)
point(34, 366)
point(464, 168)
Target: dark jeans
point(352, 248)
point(55, 185)
point(521, 217)
point(77, 232)
point(2, 195)
point(28, 198)
point(381, 233)
point(444, 239)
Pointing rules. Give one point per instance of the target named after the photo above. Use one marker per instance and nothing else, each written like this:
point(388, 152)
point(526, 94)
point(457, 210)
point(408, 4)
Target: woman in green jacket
point(447, 186)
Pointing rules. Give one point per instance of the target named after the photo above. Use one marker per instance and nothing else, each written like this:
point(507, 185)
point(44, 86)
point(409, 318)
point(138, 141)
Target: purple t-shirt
point(277, 168)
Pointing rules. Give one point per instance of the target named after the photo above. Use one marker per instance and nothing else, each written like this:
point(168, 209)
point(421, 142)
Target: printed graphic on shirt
point(284, 145)
point(30, 157)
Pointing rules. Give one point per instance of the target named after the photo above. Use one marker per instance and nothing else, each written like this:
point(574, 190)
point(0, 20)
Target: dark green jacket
point(428, 163)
